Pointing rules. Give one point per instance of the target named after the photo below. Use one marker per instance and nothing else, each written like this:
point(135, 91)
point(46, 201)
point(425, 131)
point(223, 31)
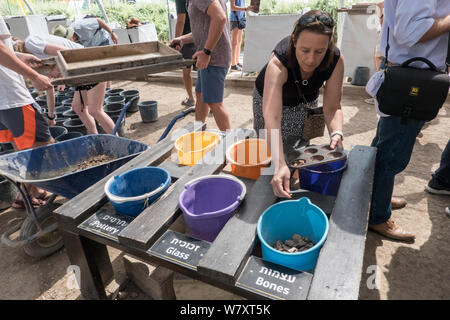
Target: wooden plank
point(338, 271)
point(107, 58)
point(121, 74)
point(76, 210)
point(226, 257)
point(235, 242)
point(155, 219)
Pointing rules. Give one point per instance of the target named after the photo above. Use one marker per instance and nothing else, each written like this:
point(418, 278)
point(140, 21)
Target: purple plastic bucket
point(208, 202)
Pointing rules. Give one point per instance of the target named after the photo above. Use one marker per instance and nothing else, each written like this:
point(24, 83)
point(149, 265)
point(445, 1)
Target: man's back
point(408, 21)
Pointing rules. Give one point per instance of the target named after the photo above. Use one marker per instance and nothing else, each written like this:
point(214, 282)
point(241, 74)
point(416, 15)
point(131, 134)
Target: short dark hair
point(316, 21)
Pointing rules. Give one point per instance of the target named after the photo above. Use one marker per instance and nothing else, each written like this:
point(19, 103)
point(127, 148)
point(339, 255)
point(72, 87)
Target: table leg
point(94, 264)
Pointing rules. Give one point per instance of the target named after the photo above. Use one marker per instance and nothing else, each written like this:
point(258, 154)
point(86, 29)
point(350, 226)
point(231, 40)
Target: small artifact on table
point(296, 244)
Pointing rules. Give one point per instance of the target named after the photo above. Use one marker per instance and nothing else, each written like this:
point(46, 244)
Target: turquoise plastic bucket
point(281, 220)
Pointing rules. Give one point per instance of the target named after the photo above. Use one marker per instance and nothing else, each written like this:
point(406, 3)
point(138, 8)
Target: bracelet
point(51, 118)
point(337, 132)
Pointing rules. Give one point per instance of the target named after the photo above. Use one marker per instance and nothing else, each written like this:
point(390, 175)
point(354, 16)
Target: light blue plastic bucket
point(131, 192)
point(281, 221)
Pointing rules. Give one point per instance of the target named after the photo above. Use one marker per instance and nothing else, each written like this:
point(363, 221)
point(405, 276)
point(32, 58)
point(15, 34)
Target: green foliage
point(157, 12)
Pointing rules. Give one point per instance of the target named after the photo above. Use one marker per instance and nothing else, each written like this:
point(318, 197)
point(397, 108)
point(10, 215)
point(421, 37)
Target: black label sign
point(274, 281)
point(106, 223)
point(180, 249)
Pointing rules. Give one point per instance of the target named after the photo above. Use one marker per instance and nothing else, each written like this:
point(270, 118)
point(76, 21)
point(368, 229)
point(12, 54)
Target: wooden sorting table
point(233, 261)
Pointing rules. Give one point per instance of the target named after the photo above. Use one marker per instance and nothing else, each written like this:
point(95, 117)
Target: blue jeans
point(442, 174)
point(394, 142)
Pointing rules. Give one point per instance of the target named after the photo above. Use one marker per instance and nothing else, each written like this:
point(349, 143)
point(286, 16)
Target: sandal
point(44, 195)
point(188, 103)
point(20, 204)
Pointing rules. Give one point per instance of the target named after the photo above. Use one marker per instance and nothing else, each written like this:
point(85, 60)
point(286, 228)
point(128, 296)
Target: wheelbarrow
point(56, 168)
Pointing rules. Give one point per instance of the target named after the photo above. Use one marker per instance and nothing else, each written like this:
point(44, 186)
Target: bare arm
point(10, 61)
point(332, 110)
point(440, 26)
point(234, 7)
point(52, 49)
point(216, 27)
point(274, 79)
point(181, 19)
point(103, 25)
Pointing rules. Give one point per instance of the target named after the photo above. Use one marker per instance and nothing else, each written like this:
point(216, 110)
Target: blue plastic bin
point(281, 221)
point(323, 179)
point(131, 192)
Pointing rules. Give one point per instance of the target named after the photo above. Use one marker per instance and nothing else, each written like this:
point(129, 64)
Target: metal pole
point(168, 18)
point(29, 7)
point(102, 9)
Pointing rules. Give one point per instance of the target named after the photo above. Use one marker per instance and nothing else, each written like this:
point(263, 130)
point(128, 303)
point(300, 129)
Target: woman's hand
point(281, 182)
point(336, 141)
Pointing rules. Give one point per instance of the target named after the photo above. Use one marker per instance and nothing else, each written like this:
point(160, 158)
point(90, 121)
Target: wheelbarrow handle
point(122, 114)
point(171, 124)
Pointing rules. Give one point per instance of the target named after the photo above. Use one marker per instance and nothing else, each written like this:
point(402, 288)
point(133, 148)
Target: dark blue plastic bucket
point(148, 110)
point(57, 131)
point(323, 179)
point(132, 191)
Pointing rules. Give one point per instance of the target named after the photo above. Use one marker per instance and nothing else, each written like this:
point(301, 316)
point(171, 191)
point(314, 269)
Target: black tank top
point(315, 82)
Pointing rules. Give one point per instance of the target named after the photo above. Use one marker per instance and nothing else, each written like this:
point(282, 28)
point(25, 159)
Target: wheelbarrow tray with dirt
point(55, 168)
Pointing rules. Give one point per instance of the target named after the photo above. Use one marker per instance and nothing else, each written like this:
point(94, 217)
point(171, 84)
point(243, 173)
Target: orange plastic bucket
point(247, 157)
point(191, 147)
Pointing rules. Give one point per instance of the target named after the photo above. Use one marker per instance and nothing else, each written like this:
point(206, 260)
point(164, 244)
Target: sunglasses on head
point(326, 20)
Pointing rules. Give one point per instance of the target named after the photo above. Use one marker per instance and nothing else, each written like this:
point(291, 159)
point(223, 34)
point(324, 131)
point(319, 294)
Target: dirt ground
point(404, 271)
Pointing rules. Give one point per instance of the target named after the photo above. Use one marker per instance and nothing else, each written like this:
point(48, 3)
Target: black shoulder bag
point(413, 93)
point(241, 22)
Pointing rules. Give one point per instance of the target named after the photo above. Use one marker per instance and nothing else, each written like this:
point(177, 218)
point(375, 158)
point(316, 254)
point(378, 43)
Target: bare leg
point(238, 47)
point(81, 111)
point(234, 46)
point(95, 98)
point(201, 109)
point(220, 115)
point(188, 82)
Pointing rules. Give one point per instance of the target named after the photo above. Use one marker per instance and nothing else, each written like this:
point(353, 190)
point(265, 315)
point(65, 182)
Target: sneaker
point(435, 187)
point(240, 65)
point(370, 101)
point(188, 103)
point(447, 211)
point(236, 68)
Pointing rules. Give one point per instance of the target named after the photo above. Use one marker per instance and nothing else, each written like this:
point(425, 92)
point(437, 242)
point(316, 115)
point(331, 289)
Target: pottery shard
point(290, 243)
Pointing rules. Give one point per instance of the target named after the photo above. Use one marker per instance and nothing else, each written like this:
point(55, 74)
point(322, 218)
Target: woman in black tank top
point(289, 85)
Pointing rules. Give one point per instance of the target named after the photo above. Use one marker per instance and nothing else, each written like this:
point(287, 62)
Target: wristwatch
point(207, 51)
point(51, 118)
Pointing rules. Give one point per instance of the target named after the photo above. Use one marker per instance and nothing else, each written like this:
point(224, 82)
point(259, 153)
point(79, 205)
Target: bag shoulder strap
point(297, 86)
point(237, 17)
point(448, 52)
